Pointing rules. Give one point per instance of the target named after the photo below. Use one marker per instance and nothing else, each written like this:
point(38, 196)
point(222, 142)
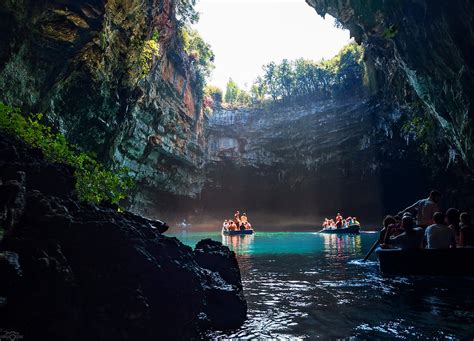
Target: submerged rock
point(83, 271)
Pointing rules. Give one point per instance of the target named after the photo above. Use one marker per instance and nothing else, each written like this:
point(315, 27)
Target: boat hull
point(353, 229)
point(237, 233)
point(447, 262)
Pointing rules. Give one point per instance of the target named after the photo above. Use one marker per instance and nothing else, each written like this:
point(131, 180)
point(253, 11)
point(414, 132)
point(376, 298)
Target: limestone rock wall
point(310, 158)
point(419, 51)
point(81, 64)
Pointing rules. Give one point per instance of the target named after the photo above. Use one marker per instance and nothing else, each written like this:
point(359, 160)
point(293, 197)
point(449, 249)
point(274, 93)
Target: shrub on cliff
point(94, 183)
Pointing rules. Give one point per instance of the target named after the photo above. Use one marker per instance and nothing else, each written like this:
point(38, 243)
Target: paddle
point(371, 250)
point(376, 244)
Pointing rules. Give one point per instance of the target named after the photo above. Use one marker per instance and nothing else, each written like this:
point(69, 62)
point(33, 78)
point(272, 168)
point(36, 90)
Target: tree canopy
point(340, 76)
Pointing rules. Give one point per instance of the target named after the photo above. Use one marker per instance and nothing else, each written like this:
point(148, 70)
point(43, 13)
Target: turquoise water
point(303, 285)
point(262, 243)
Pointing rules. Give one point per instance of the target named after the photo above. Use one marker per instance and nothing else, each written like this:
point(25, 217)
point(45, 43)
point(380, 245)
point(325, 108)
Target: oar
point(371, 250)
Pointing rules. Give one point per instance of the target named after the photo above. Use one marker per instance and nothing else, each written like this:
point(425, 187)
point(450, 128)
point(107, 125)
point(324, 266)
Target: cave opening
point(292, 156)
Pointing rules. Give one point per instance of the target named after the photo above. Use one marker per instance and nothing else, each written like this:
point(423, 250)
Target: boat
point(445, 262)
point(237, 232)
point(351, 229)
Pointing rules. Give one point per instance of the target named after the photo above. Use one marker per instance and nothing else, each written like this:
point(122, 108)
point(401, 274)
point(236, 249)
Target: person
point(425, 209)
point(226, 224)
point(349, 221)
point(411, 238)
point(326, 223)
point(237, 218)
point(466, 235)
point(452, 219)
point(339, 220)
point(243, 219)
point(438, 235)
point(387, 222)
point(232, 226)
point(355, 221)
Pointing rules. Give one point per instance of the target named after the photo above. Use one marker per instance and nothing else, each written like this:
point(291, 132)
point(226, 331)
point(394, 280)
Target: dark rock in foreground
point(75, 271)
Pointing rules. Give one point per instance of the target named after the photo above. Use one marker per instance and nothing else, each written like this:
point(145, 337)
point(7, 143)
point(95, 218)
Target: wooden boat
point(237, 232)
point(351, 229)
point(427, 261)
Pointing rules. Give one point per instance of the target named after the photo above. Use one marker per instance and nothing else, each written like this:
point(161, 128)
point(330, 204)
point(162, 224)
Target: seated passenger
point(467, 230)
point(438, 235)
point(384, 235)
point(243, 219)
point(355, 221)
point(452, 219)
point(411, 238)
point(226, 224)
point(232, 226)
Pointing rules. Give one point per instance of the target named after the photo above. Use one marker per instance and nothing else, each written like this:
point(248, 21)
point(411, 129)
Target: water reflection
point(311, 285)
point(341, 247)
point(240, 244)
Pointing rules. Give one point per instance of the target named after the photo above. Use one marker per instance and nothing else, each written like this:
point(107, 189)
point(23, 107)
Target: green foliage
point(94, 183)
point(200, 53)
point(421, 129)
point(215, 93)
point(236, 96)
point(258, 90)
point(186, 13)
point(337, 77)
point(231, 91)
point(150, 49)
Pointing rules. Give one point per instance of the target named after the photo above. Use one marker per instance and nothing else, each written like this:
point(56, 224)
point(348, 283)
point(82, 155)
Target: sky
point(246, 34)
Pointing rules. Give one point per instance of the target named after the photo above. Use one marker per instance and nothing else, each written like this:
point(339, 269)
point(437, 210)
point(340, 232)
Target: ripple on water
point(307, 286)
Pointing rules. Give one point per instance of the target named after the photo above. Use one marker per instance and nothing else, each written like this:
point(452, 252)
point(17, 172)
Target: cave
point(127, 146)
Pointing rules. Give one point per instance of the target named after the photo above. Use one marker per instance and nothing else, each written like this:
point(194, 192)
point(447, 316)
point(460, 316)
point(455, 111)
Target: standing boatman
point(425, 209)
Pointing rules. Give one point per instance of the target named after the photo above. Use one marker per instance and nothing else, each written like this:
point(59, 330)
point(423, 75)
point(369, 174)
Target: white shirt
point(426, 209)
point(439, 236)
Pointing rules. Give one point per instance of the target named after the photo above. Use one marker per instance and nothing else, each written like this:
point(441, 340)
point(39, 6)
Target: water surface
point(310, 285)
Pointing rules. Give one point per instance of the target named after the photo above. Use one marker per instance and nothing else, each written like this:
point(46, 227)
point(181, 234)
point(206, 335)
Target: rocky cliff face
point(419, 51)
point(74, 271)
point(308, 159)
point(85, 64)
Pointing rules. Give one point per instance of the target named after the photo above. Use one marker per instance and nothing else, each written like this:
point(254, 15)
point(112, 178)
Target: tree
point(285, 76)
point(258, 90)
point(271, 79)
point(215, 93)
point(186, 13)
point(289, 80)
point(231, 91)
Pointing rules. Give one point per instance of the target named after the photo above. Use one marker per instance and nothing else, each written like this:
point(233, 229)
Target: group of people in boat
point(340, 222)
point(239, 222)
point(424, 225)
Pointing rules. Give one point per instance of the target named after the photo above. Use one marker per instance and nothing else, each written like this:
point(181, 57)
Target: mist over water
point(311, 285)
